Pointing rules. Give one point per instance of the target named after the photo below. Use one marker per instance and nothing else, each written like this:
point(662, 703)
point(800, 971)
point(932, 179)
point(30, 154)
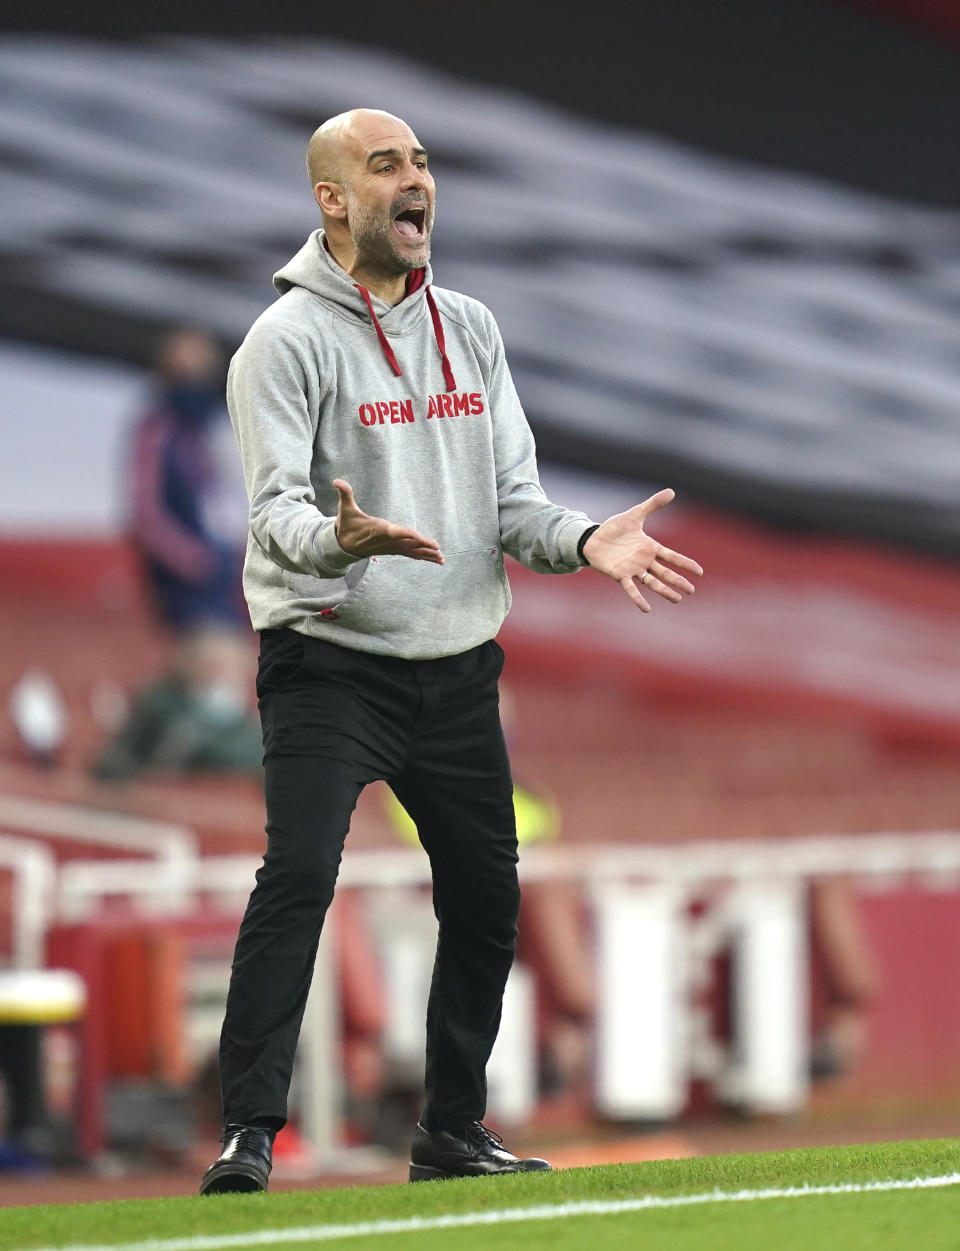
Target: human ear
point(329, 195)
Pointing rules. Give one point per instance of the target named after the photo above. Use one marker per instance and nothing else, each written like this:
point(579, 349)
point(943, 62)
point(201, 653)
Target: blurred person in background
point(186, 529)
point(847, 975)
point(376, 662)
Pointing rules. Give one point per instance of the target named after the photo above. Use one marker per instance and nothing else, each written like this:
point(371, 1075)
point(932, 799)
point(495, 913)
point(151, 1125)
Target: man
point(378, 657)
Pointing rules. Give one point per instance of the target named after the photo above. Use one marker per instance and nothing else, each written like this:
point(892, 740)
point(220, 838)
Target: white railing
point(160, 879)
point(932, 856)
point(175, 876)
point(73, 823)
point(33, 902)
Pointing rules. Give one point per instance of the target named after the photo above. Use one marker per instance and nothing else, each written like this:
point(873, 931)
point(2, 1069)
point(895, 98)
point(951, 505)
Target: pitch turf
point(676, 1204)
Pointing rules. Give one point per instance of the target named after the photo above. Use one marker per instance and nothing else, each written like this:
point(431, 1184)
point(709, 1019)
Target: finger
point(403, 534)
point(419, 551)
point(659, 500)
point(682, 562)
point(630, 586)
point(676, 580)
point(423, 553)
point(345, 491)
point(660, 588)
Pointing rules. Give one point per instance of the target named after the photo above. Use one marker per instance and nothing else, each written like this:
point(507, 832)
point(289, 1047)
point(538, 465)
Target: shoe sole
point(231, 1179)
point(426, 1173)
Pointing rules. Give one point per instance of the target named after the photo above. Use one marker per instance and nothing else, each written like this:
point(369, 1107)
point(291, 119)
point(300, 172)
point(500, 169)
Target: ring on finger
point(643, 577)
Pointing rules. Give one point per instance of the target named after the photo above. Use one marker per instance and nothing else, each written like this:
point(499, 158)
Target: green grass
point(911, 1220)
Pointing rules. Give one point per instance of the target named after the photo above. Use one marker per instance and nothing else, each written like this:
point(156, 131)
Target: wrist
point(584, 538)
point(331, 558)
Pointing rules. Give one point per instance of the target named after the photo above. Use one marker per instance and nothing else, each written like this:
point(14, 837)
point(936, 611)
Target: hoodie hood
point(315, 269)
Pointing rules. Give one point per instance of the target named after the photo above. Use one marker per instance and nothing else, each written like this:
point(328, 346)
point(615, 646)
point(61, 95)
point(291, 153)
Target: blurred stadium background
point(723, 245)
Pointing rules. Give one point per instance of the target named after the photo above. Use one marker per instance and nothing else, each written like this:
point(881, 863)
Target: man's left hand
point(623, 551)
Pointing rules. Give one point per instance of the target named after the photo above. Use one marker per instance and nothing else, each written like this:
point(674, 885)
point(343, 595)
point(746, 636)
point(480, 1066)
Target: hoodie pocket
point(464, 598)
point(325, 596)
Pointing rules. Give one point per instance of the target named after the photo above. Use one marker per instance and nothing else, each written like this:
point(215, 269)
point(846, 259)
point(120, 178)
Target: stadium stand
point(775, 343)
point(780, 343)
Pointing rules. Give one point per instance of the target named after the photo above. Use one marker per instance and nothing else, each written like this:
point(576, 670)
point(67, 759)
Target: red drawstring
point(384, 342)
point(448, 379)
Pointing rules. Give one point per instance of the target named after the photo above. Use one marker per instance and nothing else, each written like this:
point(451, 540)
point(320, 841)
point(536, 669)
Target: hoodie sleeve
point(273, 394)
point(539, 534)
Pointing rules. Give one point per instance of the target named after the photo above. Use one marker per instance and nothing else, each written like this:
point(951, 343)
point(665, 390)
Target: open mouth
point(410, 223)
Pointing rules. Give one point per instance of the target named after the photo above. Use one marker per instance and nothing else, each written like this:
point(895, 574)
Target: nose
point(414, 176)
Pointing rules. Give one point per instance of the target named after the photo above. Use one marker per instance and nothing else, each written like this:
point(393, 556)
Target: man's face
point(390, 197)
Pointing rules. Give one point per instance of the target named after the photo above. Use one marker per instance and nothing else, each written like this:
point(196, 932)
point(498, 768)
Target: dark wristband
point(583, 538)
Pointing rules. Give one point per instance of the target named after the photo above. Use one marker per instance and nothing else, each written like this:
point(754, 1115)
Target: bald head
point(342, 140)
point(376, 194)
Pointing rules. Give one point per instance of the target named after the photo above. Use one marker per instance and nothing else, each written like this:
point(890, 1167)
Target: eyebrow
point(394, 152)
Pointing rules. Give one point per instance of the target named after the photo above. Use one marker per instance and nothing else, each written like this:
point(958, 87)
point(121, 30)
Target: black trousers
point(333, 720)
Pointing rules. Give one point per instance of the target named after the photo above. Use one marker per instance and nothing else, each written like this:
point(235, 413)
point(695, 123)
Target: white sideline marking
point(545, 1212)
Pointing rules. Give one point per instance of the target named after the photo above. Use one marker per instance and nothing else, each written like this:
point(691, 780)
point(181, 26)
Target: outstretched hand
point(362, 535)
point(623, 551)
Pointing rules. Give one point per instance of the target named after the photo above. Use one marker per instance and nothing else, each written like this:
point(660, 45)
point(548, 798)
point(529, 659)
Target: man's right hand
point(362, 535)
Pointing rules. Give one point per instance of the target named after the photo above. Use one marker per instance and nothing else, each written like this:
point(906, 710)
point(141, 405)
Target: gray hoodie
point(414, 406)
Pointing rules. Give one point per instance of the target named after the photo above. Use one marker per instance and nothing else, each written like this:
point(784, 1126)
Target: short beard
point(371, 234)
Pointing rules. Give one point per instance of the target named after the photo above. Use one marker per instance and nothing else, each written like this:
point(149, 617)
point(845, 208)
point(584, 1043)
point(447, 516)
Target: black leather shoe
point(476, 1152)
point(243, 1165)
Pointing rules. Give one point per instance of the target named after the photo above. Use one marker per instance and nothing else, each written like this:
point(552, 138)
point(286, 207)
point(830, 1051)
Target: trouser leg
point(457, 788)
point(277, 942)
point(325, 737)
